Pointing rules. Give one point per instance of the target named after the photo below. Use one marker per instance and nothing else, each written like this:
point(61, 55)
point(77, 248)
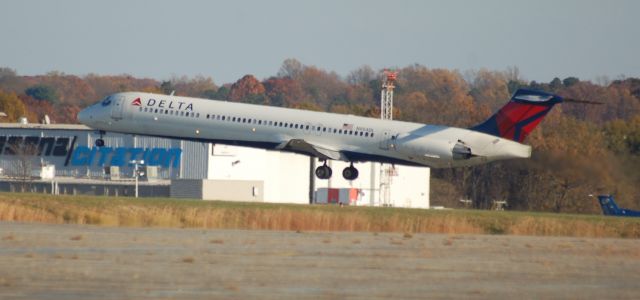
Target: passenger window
point(340, 131)
point(166, 112)
point(207, 116)
point(307, 127)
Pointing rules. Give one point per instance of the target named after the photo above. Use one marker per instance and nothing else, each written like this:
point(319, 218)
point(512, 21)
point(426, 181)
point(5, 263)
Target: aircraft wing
point(322, 152)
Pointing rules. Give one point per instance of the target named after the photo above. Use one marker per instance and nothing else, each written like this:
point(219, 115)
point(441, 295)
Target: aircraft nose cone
point(83, 116)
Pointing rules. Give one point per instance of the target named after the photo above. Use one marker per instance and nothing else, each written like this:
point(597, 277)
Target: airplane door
point(306, 128)
point(117, 107)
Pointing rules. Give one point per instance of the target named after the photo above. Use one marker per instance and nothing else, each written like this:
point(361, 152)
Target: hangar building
point(61, 159)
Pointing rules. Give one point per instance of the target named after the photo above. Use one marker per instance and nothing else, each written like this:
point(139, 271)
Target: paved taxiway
point(40, 261)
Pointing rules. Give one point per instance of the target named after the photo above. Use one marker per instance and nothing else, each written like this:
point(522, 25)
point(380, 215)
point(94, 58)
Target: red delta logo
point(136, 102)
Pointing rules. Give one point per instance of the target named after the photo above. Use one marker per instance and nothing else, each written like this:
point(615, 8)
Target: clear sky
point(228, 39)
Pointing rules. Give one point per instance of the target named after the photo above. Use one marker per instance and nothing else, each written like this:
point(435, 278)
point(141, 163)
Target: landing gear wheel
point(350, 173)
point(323, 172)
point(99, 142)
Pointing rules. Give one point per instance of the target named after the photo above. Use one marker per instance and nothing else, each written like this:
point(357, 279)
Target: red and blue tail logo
point(520, 116)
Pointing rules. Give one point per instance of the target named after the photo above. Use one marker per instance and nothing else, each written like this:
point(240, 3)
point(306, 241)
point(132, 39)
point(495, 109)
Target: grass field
point(162, 212)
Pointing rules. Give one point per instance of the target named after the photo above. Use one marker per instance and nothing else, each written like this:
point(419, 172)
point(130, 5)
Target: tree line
point(579, 150)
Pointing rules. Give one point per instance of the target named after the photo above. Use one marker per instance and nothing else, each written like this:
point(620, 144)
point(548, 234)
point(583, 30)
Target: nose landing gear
point(100, 141)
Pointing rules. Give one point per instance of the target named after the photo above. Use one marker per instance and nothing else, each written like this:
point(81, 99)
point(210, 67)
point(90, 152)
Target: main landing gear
point(350, 173)
point(100, 141)
point(324, 172)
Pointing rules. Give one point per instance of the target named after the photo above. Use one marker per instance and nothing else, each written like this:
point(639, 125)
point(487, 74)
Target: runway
point(39, 261)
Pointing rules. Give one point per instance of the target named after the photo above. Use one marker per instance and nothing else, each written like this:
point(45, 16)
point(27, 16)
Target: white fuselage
point(353, 138)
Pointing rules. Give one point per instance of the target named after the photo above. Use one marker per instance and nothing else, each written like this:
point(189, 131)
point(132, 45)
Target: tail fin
point(520, 115)
point(609, 207)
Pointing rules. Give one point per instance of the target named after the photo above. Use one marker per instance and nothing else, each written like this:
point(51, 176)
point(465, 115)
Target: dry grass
point(299, 218)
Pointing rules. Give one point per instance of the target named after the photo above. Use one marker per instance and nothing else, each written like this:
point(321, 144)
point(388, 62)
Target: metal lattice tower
point(386, 113)
point(386, 95)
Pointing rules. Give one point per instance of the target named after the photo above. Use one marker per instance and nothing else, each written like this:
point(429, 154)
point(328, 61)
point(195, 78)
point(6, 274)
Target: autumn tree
point(362, 76)
point(283, 91)
point(291, 68)
point(489, 88)
point(11, 105)
point(247, 89)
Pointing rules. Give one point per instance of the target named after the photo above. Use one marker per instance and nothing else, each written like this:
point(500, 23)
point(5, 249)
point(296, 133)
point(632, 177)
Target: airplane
point(610, 208)
point(327, 136)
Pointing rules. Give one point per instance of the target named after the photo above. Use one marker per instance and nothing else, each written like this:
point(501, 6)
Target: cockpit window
point(106, 101)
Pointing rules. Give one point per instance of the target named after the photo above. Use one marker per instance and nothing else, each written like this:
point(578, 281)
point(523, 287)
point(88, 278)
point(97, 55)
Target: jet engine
point(461, 151)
